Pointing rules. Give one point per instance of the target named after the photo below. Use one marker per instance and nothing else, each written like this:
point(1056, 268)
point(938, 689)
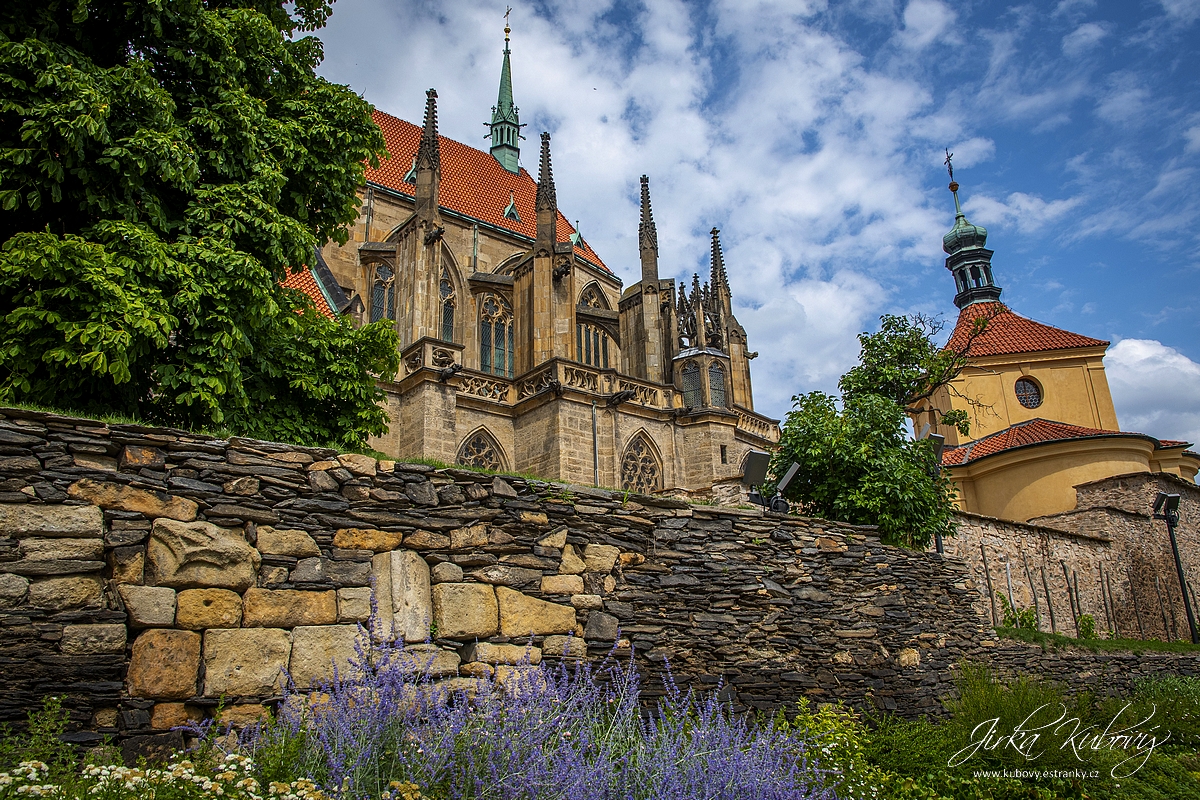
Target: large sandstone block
point(200, 555)
point(502, 653)
point(473, 536)
point(148, 606)
point(354, 604)
point(565, 647)
point(562, 584)
point(522, 615)
point(358, 464)
point(198, 609)
point(90, 640)
point(571, 564)
point(600, 557)
point(64, 593)
point(125, 498)
point(367, 539)
point(13, 589)
point(465, 610)
point(64, 549)
point(164, 665)
point(21, 519)
point(287, 608)
point(430, 660)
point(402, 590)
point(318, 650)
point(245, 661)
point(294, 543)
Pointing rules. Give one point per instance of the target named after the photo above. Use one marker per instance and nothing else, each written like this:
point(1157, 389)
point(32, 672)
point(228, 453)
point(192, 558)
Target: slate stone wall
point(147, 574)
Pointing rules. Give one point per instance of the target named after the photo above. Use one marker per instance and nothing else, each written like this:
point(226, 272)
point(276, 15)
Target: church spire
point(505, 126)
point(719, 278)
point(967, 258)
point(547, 202)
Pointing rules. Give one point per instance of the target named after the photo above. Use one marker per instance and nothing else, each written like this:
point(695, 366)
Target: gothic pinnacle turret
point(428, 153)
point(719, 278)
point(547, 202)
point(505, 126)
point(648, 240)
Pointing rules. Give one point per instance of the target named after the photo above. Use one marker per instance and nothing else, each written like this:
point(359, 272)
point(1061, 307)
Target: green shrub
point(1087, 626)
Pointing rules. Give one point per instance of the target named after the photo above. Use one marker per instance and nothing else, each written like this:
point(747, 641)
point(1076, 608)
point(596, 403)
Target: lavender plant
point(384, 727)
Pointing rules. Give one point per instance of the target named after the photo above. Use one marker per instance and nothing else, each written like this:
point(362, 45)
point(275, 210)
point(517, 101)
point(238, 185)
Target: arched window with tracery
point(591, 344)
point(446, 290)
point(690, 378)
point(592, 297)
point(640, 470)
point(480, 450)
point(383, 294)
point(716, 385)
point(495, 336)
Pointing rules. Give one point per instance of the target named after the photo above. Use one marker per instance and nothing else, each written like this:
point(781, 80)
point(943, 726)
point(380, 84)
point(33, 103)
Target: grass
point(1058, 641)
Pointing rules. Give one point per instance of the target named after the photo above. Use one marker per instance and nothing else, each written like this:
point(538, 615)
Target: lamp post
point(1166, 508)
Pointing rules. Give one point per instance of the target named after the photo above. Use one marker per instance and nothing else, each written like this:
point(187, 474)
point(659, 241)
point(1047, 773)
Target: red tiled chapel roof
point(1008, 333)
point(1037, 431)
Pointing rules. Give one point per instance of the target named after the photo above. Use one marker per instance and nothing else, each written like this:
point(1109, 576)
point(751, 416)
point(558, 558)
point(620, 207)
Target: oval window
point(1029, 393)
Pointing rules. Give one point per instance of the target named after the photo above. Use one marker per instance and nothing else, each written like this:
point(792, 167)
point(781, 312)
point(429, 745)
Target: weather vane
point(506, 13)
point(949, 165)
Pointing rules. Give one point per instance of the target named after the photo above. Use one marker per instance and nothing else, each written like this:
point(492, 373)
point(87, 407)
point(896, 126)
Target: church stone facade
point(520, 350)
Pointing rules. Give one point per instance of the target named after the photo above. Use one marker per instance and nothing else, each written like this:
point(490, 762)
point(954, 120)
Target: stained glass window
point(495, 336)
point(383, 294)
point(591, 345)
point(716, 385)
point(692, 397)
point(446, 290)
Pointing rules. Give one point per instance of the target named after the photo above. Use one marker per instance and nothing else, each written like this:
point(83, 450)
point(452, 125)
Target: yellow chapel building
point(1042, 417)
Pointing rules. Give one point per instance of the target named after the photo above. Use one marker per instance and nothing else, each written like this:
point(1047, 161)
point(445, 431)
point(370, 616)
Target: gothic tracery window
point(495, 336)
point(383, 294)
point(640, 470)
point(591, 345)
point(592, 297)
point(446, 290)
point(480, 450)
point(716, 385)
point(692, 397)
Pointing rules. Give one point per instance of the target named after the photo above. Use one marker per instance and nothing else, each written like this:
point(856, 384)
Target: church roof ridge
point(1034, 432)
point(473, 183)
point(1009, 333)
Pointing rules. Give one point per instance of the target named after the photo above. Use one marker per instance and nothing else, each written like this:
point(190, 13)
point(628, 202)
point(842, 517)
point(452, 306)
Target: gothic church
point(520, 350)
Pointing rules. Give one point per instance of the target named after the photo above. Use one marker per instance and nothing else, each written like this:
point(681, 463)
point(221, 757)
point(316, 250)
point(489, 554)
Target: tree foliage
point(857, 465)
point(163, 165)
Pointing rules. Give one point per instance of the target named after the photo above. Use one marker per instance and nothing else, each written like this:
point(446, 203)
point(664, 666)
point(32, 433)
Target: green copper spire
point(967, 257)
point(506, 124)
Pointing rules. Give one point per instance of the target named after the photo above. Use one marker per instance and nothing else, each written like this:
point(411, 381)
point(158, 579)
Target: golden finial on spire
point(507, 30)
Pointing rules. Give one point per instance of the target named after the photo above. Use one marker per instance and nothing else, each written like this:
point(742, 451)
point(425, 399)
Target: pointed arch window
point(480, 450)
point(640, 470)
point(716, 385)
point(592, 297)
point(446, 290)
point(692, 397)
point(383, 294)
point(591, 345)
point(495, 336)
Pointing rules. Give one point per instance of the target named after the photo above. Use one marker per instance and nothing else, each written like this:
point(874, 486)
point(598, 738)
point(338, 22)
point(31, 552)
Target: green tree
point(163, 165)
point(858, 465)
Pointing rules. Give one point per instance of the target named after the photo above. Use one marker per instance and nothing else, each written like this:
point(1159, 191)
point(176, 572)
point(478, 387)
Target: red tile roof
point(1033, 432)
point(307, 282)
point(473, 182)
point(1009, 333)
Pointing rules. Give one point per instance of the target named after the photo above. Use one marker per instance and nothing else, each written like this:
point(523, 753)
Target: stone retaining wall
point(148, 574)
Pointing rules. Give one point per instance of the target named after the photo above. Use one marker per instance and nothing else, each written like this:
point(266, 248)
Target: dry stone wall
point(147, 575)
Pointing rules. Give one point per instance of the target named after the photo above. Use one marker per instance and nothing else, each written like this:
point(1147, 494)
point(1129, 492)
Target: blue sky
point(813, 133)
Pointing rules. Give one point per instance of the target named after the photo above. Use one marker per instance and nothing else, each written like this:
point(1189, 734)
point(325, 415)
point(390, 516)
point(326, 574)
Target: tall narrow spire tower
point(505, 126)
point(966, 257)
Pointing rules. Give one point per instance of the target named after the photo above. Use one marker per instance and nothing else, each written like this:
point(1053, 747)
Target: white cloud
point(1155, 389)
point(925, 21)
point(1192, 136)
point(1182, 10)
point(1125, 100)
point(972, 152)
point(1026, 212)
point(1083, 38)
